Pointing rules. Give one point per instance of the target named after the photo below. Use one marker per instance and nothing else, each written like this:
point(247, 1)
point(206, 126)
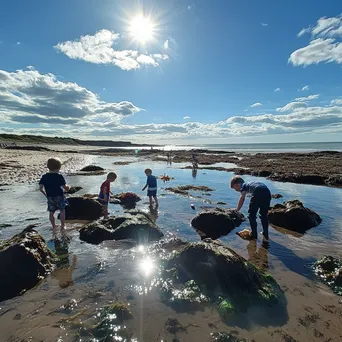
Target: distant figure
point(260, 201)
point(52, 186)
point(105, 192)
point(194, 161)
point(151, 184)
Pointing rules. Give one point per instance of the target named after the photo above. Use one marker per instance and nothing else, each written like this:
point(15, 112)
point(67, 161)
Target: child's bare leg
point(105, 211)
point(62, 218)
point(150, 198)
point(52, 219)
point(156, 200)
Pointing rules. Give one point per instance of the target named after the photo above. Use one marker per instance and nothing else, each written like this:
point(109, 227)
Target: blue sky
point(224, 71)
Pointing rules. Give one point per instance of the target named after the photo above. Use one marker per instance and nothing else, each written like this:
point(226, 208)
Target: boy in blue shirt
point(52, 186)
point(151, 184)
point(260, 201)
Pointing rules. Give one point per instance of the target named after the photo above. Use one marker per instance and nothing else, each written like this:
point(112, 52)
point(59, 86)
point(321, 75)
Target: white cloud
point(256, 104)
point(186, 118)
point(166, 44)
point(18, 43)
point(292, 106)
point(264, 24)
point(307, 98)
point(337, 102)
point(325, 45)
point(27, 96)
point(305, 88)
point(98, 49)
point(276, 90)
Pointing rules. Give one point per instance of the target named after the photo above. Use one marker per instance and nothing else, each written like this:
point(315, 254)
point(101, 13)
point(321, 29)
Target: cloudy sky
point(176, 71)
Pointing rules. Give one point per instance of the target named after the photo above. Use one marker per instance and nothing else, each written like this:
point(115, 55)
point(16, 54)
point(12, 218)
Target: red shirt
point(105, 187)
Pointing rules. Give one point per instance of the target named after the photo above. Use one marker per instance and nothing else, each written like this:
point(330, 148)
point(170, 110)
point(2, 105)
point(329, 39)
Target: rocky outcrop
point(329, 270)
point(126, 199)
point(184, 189)
point(276, 196)
point(25, 259)
point(134, 225)
point(216, 222)
point(294, 216)
point(74, 189)
point(215, 273)
point(81, 208)
point(298, 178)
point(92, 168)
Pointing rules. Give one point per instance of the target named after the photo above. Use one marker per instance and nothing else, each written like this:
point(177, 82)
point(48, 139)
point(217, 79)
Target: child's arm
point(241, 200)
point(41, 189)
point(66, 187)
point(144, 187)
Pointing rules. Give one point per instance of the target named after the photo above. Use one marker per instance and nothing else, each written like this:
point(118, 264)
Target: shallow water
point(95, 275)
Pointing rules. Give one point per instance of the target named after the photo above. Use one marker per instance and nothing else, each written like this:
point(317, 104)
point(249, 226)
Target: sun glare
point(142, 29)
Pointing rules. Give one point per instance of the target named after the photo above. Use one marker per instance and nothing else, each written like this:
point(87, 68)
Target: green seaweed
point(119, 309)
point(226, 309)
point(227, 337)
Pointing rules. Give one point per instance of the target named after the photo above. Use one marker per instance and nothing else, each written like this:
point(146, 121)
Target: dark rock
point(173, 326)
point(5, 225)
point(27, 148)
point(216, 222)
point(80, 208)
point(334, 180)
point(329, 270)
point(277, 196)
point(184, 189)
point(293, 215)
point(25, 259)
point(126, 199)
point(134, 225)
point(299, 178)
point(92, 168)
point(123, 162)
point(221, 275)
point(74, 189)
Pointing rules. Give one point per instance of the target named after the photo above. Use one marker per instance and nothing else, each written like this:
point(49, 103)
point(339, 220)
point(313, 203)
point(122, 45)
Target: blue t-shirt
point(151, 182)
point(252, 187)
point(52, 183)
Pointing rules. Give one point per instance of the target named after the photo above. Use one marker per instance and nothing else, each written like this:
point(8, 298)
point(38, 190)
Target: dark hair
point(236, 180)
point(111, 175)
point(54, 164)
point(148, 171)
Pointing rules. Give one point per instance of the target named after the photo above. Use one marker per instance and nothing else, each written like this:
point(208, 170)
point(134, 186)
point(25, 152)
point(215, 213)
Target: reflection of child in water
point(258, 257)
point(64, 271)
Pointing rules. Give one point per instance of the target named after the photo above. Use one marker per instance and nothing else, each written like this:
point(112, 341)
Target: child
point(151, 183)
point(261, 199)
point(105, 192)
point(51, 185)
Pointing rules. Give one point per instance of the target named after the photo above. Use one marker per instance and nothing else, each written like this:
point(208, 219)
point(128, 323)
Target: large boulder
point(294, 216)
point(216, 273)
point(216, 222)
point(329, 270)
point(81, 208)
point(25, 259)
point(298, 178)
point(134, 225)
point(91, 168)
point(126, 199)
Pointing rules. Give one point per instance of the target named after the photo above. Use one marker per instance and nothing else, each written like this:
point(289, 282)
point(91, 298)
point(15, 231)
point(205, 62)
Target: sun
point(142, 29)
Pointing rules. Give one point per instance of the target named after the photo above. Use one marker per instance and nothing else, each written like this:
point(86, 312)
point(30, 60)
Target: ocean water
point(97, 275)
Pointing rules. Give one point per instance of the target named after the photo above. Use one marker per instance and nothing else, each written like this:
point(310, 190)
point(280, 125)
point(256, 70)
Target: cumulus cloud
point(325, 45)
point(308, 98)
point(27, 96)
point(264, 24)
point(276, 90)
point(98, 49)
point(292, 106)
point(257, 104)
point(186, 118)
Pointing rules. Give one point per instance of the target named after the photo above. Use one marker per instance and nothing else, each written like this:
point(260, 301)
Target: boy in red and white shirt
point(105, 192)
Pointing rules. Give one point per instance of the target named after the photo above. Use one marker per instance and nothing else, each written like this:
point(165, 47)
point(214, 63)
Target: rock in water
point(91, 168)
point(74, 189)
point(126, 199)
point(134, 225)
point(216, 222)
point(81, 208)
point(227, 337)
point(221, 275)
point(294, 216)
point(25, 259)
point(329, 269)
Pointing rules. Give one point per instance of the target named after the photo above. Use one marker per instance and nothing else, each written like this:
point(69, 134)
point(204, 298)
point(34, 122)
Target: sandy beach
point(94, 276)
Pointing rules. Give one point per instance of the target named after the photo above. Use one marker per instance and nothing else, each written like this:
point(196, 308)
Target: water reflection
point(147, 266)
point(64, 270)
point(259, 257)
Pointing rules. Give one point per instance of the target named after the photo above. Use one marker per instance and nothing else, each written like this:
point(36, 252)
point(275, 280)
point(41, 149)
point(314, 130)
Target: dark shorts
point(57, 203)
point(151, 193)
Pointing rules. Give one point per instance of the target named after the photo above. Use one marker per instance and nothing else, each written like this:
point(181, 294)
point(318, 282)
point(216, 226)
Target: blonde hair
point(236, 180)
point(148, 171)
point(111, 175)
point(54, 164)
